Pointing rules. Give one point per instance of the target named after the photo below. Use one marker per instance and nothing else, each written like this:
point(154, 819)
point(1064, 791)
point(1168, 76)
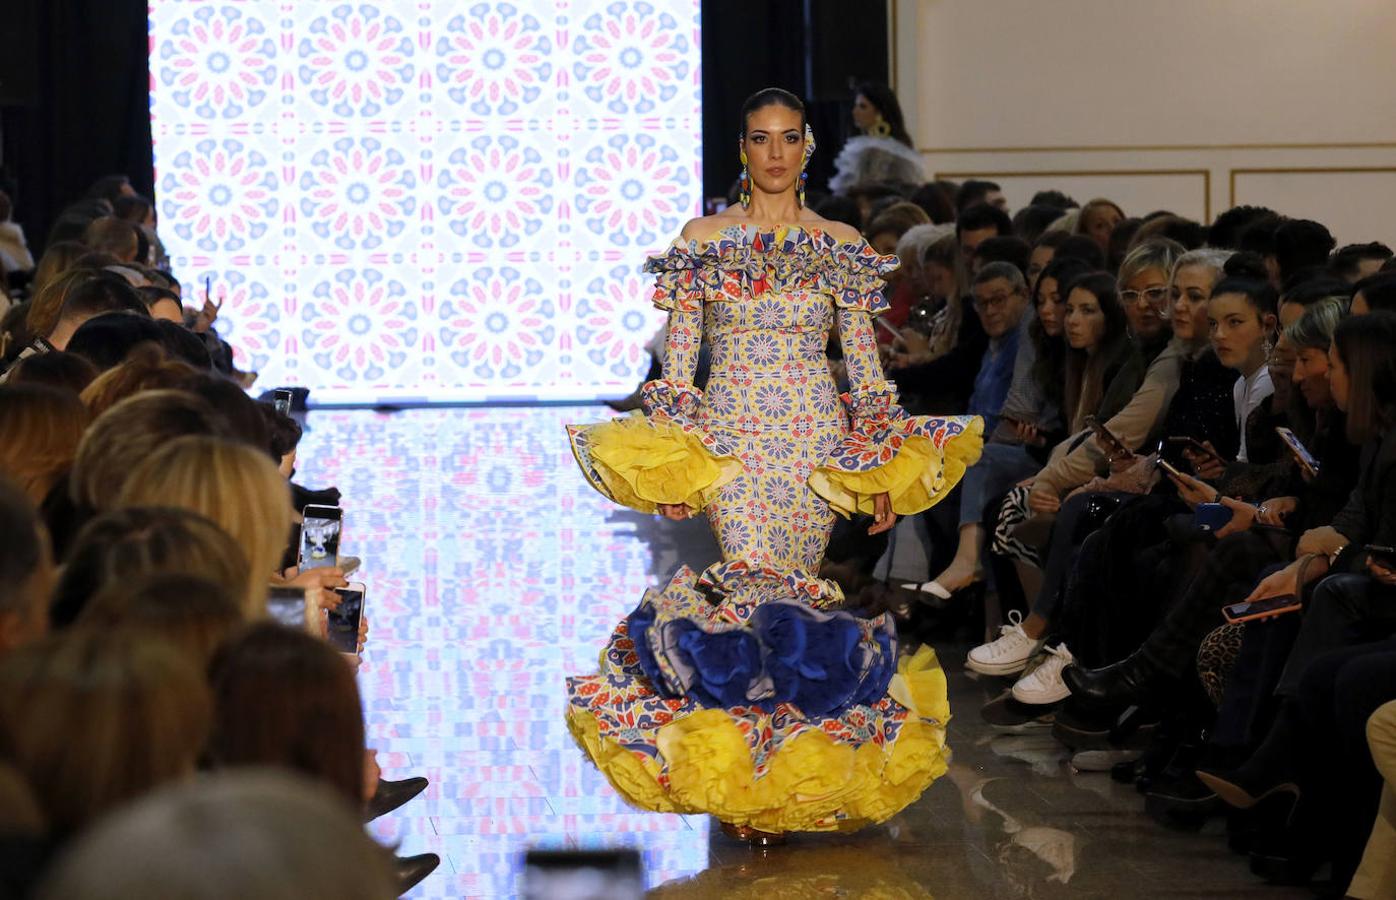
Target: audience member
point(55, 369)
point(26, 572)
point(973, 192)
point(42, 426)
point(977, 224)
point(1354, 262)
point(1098, 219)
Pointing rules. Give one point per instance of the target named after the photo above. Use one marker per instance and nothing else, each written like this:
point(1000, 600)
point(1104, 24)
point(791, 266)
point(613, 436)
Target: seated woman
point(1258, 536)
point(1031, 420)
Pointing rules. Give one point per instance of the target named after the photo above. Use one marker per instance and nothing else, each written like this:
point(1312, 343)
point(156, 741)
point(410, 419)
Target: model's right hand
point(675, 511)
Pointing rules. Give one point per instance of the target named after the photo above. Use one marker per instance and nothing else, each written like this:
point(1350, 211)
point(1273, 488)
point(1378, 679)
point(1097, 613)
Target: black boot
point(392, 794)
point(1131, 680)
point(412, 869)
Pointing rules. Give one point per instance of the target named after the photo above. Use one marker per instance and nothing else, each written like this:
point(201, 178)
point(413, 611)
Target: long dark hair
point(1049, 368)
point(881, 96)
point(1367, 347)
point(771, 96)
point(1081, 366)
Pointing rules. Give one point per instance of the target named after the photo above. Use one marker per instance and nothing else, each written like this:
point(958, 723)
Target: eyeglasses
point(994, 302)
point(1155, 295)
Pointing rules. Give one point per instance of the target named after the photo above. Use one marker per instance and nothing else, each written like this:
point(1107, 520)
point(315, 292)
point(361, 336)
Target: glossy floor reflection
point(494, 572)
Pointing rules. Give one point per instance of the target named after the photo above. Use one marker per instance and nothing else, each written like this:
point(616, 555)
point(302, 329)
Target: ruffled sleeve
point(855, 275)
point(665, 457)
point(916, 460)
point(684, 275)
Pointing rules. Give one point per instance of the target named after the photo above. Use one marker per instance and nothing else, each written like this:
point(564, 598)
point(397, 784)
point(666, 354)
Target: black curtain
point(85, 110)
point(815, 49)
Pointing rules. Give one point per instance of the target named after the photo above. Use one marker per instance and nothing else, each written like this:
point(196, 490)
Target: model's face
point(1000, 306)
point(1237, 331)
point(1100, 221)
point(1085, 322)
point(865, 115)
point(1051, 312)
point(1191, 289)
point(1310, 374)
point(1038, 261)
point(1337, 378)
point(1145, 298)
point(775, 148)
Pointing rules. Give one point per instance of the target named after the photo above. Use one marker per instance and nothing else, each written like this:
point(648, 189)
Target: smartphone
point(1198, 447)
point(281, 399)
point(320, 536)
point(1211, 516)
point(343, 629)
point(582, 875)
point(1382, 556)
point(1268, 608)
point(1114, 447)
point(1301, 453)
point(1168, 467)
point(290, 607)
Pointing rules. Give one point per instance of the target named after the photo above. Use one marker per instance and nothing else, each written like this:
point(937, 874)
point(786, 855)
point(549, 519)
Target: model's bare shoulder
point(840, 232)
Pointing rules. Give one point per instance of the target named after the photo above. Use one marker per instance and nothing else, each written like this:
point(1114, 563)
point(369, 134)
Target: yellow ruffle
point(813, 783)
point(916, 479)
point(643, 462)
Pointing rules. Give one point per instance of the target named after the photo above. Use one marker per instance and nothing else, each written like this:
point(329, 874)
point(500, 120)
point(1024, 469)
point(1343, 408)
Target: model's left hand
point(883, 517)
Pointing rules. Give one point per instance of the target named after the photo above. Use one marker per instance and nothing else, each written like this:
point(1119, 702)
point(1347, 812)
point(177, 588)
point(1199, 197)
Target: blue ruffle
point(822, 662)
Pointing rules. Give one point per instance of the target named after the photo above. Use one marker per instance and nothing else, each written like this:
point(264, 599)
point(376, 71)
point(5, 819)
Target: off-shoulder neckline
point(813, 233)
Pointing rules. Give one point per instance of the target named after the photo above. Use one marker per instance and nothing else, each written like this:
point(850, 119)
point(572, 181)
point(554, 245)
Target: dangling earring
point(804, 165)
point(744, 182)
point(880, 128)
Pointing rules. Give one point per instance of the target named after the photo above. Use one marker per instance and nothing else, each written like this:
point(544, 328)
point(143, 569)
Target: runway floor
point(493, 572)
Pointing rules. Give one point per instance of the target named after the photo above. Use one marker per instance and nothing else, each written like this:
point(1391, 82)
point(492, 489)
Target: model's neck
point(774, 209)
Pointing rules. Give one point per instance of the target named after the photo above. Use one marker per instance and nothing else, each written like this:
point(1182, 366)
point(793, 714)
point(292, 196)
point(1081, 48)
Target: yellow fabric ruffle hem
point(917, 478)
point(813, 783)
point(641, 462)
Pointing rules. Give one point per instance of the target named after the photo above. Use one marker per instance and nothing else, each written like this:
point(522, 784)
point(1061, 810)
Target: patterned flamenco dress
point(745, 691)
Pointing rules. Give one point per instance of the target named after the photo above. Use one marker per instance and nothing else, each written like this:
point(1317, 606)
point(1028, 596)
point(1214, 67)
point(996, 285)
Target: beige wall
point(1190, 105)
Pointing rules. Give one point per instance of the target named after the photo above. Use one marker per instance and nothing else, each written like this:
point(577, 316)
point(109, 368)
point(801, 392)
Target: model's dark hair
point(771, 96)
point(881, 96)
point(1367, 347)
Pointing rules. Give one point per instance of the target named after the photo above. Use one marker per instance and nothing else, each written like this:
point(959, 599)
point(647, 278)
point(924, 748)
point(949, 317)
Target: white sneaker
point(1044, 684)
point(1007, 655)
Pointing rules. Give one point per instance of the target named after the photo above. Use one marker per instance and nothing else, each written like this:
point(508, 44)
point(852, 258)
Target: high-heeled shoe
point(411, 870)
point(1232, 788)
point(752, 836)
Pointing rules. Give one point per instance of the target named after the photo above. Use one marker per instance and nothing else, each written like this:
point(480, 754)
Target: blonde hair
point(233, 485)
point(145, 368)
point(129, 432)
point(43, 427)
point(92, 720)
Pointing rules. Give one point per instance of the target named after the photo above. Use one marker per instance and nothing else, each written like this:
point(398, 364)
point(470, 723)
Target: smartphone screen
point(343, 631)
point(281, 399)
point(287, 605)
point(320, 536)
point(1301, 453)
point(1260, 609)
point(582, 875)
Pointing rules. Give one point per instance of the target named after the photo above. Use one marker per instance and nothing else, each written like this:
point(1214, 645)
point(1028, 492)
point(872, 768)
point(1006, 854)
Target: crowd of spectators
point(152, 712)
point(1177, 544)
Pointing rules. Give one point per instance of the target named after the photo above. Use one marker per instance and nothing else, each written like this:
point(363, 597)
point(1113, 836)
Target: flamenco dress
point(745, 691)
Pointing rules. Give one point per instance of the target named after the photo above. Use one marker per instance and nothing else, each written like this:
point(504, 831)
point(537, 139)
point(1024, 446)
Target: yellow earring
point(744, 181)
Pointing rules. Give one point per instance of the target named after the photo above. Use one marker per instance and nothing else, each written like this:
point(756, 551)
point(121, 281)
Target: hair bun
point(1246, 264)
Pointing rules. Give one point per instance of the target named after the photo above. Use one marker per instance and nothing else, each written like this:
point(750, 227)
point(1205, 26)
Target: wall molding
point(1298, 170)
point(1204, 174)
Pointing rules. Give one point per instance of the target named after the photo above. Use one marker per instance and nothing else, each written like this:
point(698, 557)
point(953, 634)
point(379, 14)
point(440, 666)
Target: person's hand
point(372, 773)
point(1206, 465)
point(676, 512)
point(1325, 541)
point(883, 517)
point(1284, 583)
point(913, 342)
point(1123, 462)
point(1026, 482)
point(1193, 491)
point(1276, 510)
point(206, 316)
point(319, 584)
point(1243, 516)
point(1043, 501)
point(1028, 433)
point(1381, 573)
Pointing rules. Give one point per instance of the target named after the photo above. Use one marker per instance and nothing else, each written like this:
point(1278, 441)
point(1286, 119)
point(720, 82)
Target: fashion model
point(746, 691)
